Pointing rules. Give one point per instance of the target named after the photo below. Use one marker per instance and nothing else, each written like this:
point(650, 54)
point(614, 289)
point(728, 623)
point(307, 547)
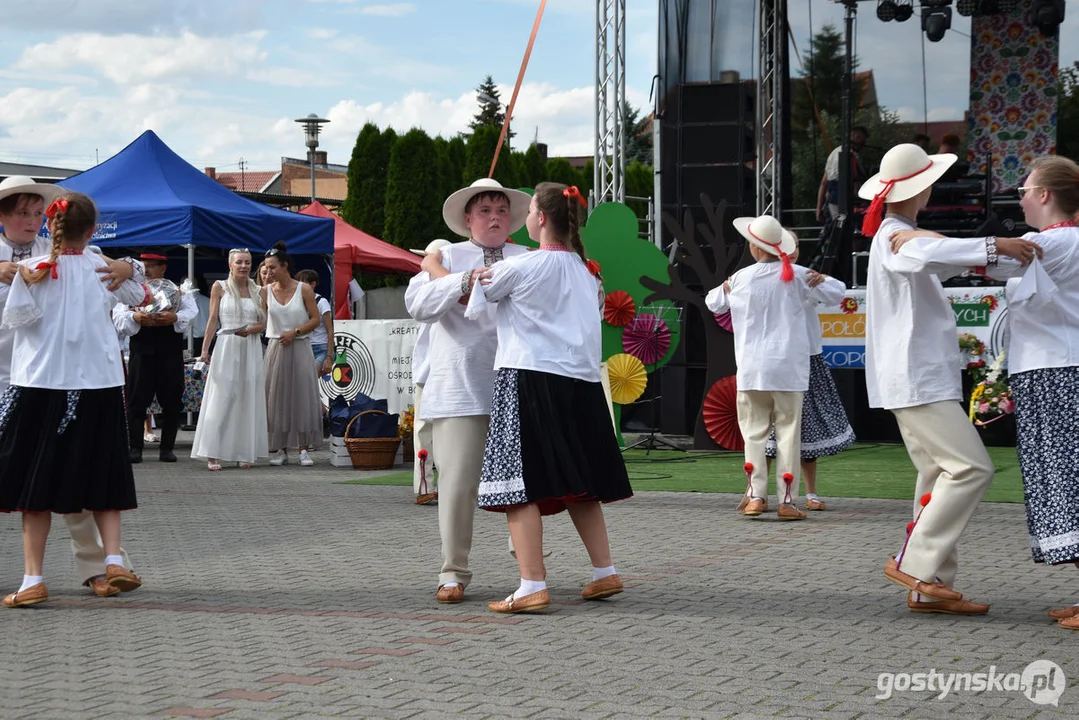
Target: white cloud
point(321, 33)
point(393, 10)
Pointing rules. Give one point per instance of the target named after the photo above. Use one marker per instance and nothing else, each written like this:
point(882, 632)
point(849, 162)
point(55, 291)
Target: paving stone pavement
point(278, 593)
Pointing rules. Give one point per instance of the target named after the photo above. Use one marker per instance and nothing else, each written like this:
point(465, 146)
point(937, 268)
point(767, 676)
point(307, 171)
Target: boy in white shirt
point(771, 347)
point(913, 369)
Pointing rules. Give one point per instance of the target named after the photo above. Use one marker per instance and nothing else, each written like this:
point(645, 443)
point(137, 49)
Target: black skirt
point(551, 441)
point(64, 451)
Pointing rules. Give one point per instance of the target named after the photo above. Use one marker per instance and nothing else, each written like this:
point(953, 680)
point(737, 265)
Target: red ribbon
point(48, 266)
point(58, 205)
point(573, 192)
point(875, 213)
point(787, 274)
point(593, 267)
point(1054, 226)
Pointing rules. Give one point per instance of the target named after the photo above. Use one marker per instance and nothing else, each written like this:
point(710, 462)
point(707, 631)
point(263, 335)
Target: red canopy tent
point(352, 246)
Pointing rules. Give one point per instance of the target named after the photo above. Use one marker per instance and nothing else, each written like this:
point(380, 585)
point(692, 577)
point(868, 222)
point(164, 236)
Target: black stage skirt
point(550, 441)
point(1047, 429)
point(64, 451)
point(825, 429)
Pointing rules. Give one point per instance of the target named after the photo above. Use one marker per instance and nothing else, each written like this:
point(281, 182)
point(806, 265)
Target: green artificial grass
point(863, 471)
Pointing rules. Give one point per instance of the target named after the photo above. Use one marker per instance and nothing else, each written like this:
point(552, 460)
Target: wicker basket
point(408, 452)
point(371, 453)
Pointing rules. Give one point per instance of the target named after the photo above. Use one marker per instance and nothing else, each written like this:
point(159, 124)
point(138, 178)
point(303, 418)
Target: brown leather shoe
point(528, 603)
point(950, 607)
point(815, 504)
point(30, 596)
point(755, 507)
point(121, 578)
point(604, 587)
point(743, 503)
point(100, 586)
point(935, 589)
point(1064, 613)
point(1071, 623)
point(789, 512)
point(426, 498)
point(447, 594)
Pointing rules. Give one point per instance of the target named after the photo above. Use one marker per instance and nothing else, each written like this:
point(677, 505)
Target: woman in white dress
point(232, 422)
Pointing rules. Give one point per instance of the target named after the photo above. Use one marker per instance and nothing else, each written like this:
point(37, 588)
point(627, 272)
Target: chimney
point(212, 172)
point(541, 148)
point(320, 157)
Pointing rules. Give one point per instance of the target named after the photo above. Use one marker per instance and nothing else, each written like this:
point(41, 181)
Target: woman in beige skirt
point(293, 411)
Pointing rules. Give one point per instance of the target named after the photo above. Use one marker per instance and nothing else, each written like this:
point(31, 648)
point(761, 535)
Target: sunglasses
point(272, 252)
point(239, 250)
point(1024, 190)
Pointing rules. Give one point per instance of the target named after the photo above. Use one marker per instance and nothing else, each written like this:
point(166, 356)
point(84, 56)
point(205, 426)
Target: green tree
point(364, 205)
point(532, 170)
point(413, 212)
point(480, 151)
point(1068, 112)
point(822, 81)
point(638, 135)
point(560, 171)
point(640, 182)
point(491, 112)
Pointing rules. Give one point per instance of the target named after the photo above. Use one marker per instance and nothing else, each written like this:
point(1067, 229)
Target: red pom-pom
point(925, 499)
point(910, 526)
point(422, 454)
point(748, 467)
point(788, 478)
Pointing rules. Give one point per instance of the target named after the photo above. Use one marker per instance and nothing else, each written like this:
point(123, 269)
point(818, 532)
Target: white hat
point(431, 247)
point(905, 171)
point(453, 210)
point(766, 233)
point(17, 184)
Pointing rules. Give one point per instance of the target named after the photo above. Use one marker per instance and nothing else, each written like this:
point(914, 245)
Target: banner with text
point(373, 357)
point(979, 312)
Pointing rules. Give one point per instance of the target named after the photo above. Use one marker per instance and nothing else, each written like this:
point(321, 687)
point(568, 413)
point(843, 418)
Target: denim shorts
point(320, 353)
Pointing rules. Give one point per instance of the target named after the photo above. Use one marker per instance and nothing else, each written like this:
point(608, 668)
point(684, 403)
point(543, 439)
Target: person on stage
point(22, 209)
point(156, 364)
point(913, 370)
point(62, 420)
point(460, 379)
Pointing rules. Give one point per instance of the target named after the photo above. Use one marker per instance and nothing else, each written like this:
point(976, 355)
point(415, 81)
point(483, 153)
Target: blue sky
point(223, 79)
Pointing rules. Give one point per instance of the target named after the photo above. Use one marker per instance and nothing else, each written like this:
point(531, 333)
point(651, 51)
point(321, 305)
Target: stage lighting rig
point(1047, 15)
point(904, 9)
point(966, 8)
point(886, 10)
point(936, 18)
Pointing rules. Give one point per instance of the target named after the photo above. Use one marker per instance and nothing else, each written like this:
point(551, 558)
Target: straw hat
point(905, 171)
point(766, 233)
point(431, 247)
point(17, 184)
point(453, 211)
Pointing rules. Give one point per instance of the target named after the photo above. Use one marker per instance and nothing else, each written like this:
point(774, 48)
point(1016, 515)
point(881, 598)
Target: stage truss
point(610, 146)
point(773, 43)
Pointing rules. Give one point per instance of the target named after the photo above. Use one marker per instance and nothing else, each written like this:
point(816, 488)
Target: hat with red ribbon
point(153, 257)
point(905, 171)
point(766, 233)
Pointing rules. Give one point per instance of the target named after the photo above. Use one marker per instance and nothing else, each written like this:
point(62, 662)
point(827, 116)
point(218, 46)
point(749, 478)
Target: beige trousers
point(955, 468)
point(460, 441)
point(421, 440)
point(757, 411)
point(86, 546)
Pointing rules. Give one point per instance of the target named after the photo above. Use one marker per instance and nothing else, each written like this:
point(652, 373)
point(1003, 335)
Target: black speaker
point(707, 144)
point(731, 182)
point(715, 102)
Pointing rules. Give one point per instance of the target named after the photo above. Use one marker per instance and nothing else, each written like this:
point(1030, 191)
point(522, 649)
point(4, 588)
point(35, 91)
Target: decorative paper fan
point(720, 414)
point(647, 338)
point(724, 321)
point(618, 308)
point(627, 376)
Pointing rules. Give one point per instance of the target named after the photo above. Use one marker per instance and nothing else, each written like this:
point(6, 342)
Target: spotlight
point(885, 10)
point(1047, 15)
point(903, 10)
point(936, 18)
point(966, 8)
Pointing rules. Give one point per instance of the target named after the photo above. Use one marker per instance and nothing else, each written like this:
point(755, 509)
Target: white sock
point(450, 584)
point(114, 560)
point(29, 581)
point(600, 573)
point(811, 496)
point(528, 587)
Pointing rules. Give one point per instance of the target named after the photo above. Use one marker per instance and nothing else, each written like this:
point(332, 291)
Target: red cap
point(152, 256)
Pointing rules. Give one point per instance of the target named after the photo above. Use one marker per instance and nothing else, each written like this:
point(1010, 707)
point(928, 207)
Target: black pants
point(160, 374)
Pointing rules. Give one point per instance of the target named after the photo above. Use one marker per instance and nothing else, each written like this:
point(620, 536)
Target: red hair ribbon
point(58, 205)
point(593, 267)
point(787, 274)
point(573, 192)
point(48, 266)
point(875, 213)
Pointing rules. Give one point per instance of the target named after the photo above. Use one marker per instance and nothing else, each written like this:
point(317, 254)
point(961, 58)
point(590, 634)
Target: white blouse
point(40, 246)
point(830, 292)
point(64, 336)
point(461, 352)
point(548, 314)
point(771, 342)
point(912, 348)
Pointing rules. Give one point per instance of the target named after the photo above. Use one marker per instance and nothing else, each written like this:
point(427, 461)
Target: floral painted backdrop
point(1013, 94)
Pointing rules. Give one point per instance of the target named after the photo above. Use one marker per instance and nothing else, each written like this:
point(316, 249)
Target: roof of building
point(343, 169)
point(248, 181)
point(37, 172)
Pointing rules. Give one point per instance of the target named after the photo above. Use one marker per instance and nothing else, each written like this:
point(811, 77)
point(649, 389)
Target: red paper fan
point(618, 308)
point(721, 414)
point(647, 338)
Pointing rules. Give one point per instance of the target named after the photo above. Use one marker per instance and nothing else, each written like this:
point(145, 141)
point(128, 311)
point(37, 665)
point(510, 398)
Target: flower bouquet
point(408, 420)
point(991, 398)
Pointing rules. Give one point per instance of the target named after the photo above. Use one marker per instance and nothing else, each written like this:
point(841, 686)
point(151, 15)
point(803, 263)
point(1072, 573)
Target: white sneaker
point(279, 458)
point(305, 459)
point(150, 438)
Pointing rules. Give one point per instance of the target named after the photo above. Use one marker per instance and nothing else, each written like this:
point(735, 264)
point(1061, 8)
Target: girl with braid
point(551, 445)
point(63, 433)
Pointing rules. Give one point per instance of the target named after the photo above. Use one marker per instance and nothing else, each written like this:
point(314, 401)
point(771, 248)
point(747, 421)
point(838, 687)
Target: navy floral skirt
point(550, 442)
point(64, 451)
point(825, 428)
point(1047, 426)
